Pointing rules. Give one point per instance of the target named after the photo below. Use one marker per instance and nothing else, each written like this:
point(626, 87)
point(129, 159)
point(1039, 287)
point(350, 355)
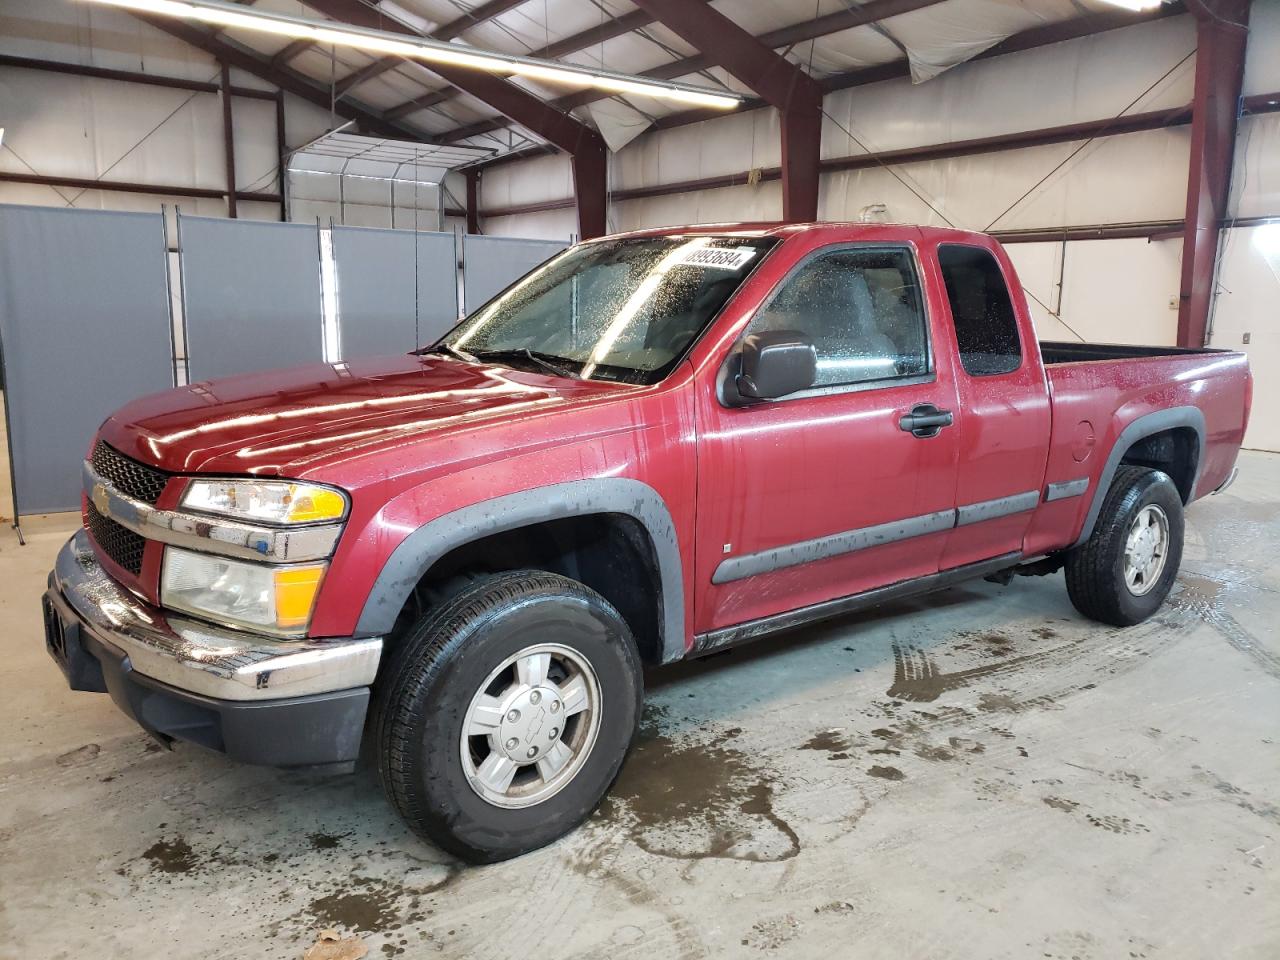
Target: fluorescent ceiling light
point(432, 51)
point(1137, 6)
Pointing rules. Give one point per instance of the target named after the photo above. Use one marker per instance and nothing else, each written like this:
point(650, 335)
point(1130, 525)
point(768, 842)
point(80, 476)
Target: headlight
point(277, 599)
point(271, 501)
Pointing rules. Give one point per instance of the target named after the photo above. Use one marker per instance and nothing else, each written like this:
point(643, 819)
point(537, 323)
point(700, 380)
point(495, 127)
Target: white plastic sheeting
point(1248, 290)
point(730, 144)
point(1133, 177)
point(59, 125)
point(1079, 290)
point(1256, 186)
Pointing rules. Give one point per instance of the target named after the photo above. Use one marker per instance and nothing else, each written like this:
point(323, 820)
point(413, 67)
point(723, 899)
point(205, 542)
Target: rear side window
point(986, 328)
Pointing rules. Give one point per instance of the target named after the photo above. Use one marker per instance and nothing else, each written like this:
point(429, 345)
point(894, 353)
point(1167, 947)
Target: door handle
point(925, 420)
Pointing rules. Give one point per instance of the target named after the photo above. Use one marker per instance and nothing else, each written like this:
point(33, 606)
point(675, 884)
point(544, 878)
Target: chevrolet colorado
point(650, 447)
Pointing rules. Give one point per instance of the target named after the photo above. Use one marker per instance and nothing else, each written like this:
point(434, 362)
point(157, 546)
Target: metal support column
point(228, 140)
point(473, 200)
point(1221, 35)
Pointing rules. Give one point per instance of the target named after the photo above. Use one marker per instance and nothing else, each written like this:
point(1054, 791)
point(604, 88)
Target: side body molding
point(422, 548)
point(1188, 417)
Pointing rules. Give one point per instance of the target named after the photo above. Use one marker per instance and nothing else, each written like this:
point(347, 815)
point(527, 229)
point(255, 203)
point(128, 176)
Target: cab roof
point(835, 230)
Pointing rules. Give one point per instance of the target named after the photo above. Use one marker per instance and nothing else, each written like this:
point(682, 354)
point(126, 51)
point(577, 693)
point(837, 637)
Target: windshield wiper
point(546, 361)
point(450, 350)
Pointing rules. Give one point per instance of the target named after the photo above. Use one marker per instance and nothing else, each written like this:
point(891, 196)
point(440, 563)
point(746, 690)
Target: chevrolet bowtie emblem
point(100, 499)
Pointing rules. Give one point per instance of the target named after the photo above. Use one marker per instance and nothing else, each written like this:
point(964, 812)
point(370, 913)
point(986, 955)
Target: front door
point(823, 493)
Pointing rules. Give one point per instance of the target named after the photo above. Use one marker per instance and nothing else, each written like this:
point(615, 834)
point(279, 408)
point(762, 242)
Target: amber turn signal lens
point(295, 590)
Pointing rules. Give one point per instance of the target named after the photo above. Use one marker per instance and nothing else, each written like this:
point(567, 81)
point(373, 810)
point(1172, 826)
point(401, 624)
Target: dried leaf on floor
point(332, 945)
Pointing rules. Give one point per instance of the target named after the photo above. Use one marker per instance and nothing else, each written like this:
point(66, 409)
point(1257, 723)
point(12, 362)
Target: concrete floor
point(978, 774)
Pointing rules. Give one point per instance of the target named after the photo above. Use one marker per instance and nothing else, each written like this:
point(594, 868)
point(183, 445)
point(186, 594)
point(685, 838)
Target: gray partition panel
point(383, 306)
point(84, 326)
point(252, 295)
point(491, 264)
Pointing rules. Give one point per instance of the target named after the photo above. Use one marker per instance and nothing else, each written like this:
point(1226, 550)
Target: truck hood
point(290, 422)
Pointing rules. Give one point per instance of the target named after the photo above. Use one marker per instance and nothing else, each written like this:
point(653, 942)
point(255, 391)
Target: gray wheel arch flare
point(423, 547)
point(1152, 423)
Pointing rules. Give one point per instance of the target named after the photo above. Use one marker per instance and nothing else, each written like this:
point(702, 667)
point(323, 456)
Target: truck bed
point(1093, 403)
point(1062, 351)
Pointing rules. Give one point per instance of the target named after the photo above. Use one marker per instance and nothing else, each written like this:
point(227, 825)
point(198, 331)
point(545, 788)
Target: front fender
point(422, 548)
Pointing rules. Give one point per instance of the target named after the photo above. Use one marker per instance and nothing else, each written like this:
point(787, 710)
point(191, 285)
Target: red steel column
point(1221, 35)
point(590, 186)
point(773, 78)
point(801, 160)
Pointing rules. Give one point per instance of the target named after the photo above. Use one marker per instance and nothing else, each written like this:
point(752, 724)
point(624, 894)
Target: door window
point(986, 328)
point(861, 309)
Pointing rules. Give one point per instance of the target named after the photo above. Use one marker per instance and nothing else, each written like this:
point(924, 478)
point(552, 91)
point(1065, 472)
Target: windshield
point(612, 310)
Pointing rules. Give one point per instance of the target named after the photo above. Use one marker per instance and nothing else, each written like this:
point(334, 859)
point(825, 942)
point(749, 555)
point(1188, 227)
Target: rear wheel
point(1125, 570)
point(505, 714)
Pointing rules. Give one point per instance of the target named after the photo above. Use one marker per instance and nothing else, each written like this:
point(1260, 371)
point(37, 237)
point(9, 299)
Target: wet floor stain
point(836, 744)
point(773, 933)
point(1206, 599)
point(1122, 825)
point(1060, 803)
point(886, 773)
point(999, 703)
point(367, 905)
point(917, 678)
point(687, 798)
point(78, 756)
point(171, 856)
point(325, 841)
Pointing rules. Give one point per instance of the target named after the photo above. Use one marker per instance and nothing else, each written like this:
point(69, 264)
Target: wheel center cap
point(524, 734)
point(1144, 550)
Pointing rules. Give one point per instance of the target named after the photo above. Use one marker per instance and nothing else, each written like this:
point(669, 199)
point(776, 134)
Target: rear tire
point(1125, 570)
point(505, 714)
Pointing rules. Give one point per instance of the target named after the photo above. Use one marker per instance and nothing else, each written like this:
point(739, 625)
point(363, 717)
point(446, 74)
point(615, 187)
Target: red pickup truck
point(652, 446)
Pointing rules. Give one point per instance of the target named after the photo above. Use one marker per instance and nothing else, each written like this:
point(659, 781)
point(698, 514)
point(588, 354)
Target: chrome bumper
point(197, 657)
point(1235, 472)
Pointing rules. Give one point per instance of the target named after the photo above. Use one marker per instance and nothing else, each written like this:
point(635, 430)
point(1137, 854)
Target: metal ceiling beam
point(1221, 36)
point(482, 13)
point(585, 146)
point(486, 11)
point(129, 76)
point(795, 94)
point(870, 12)
point(1065, 133)
point(294, 49)
point(1026, 40)
point(616, 27)
point(370, 120)
point(120, 186)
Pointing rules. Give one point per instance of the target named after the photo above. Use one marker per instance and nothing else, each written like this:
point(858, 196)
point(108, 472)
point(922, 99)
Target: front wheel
point(506, 712)
point(1125, 570)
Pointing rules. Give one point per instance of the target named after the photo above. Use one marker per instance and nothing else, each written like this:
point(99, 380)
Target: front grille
point(119, 543)
point(130, 477)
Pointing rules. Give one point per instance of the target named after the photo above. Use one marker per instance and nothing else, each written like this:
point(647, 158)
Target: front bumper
point(255, 698)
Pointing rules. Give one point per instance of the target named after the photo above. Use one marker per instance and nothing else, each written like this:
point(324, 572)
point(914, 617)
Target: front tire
point(506, 712)
point(1125, 570)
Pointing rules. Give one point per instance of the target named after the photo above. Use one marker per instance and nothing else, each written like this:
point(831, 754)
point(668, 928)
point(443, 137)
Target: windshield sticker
point(726, 258)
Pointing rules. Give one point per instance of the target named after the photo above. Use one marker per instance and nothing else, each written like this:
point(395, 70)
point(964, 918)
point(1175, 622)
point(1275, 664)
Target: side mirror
point(775, 364)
